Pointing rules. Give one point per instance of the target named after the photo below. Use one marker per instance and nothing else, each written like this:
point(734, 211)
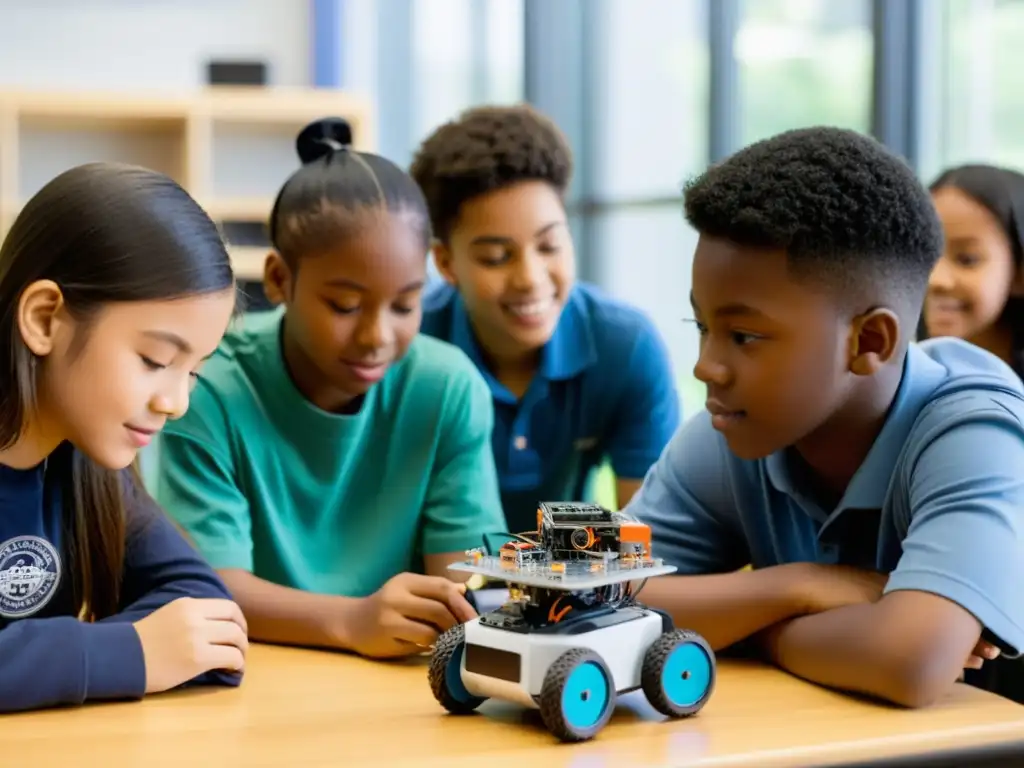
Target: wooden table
point(306, 709)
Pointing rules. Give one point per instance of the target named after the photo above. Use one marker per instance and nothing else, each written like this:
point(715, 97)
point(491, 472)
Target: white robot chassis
point(570, 639)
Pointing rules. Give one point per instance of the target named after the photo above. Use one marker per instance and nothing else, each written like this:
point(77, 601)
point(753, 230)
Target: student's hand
point(190, 636)
point(982, 652)
point(826, 587)
point(407, 615)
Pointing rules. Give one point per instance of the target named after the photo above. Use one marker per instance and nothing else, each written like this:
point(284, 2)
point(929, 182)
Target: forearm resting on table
point(874, 649)
point(277, 614)
point(729, 607)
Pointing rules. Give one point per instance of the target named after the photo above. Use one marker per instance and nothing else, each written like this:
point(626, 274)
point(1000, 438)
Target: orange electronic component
point(636, 533)
point(517, 546)
point(558, 567)
point(508, 554)
point(583, 538)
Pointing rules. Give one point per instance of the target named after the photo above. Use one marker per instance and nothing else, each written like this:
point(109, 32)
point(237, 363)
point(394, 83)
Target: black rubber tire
point(550, 699)
point(447, 651)
point(654, 663)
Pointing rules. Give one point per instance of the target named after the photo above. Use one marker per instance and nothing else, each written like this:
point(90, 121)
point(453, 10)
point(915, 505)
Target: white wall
point(148, 44)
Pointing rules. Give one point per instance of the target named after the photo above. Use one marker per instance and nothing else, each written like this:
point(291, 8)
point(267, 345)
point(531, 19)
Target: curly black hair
point(842, 207)
point(484, 149)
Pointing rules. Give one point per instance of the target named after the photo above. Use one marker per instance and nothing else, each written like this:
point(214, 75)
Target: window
point(804, 63)
point(981, 84)
point(647, 126)
point(648, 261)
point(465, 52)
point(649, 112)
point(443, 65)
point(503, 50)
point(424, 62)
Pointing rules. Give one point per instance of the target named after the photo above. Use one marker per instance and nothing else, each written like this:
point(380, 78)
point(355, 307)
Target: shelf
point(49, 146)
point(248, 261)
point(265, 105)
point(230, 147)
point(245, 209)
point(85, 106)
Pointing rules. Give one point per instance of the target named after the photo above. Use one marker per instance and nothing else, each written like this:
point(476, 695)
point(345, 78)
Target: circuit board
point(565, 574)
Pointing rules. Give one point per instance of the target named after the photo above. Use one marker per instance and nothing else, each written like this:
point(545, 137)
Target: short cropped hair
point(842, 207)
point(485, 149)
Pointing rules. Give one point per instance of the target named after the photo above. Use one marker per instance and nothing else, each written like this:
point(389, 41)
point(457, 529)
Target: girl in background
point(114, 285)
point(976, 288)
point(976, 293)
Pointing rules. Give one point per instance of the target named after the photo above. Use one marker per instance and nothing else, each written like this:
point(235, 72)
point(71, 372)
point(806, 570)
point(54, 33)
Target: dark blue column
point(559, 36)
point(724, 103)
point(904, 45)
point(327, 41)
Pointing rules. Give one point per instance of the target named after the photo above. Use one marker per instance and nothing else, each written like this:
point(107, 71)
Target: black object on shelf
point(236, 72)
point(245, 233)
point(245, 73)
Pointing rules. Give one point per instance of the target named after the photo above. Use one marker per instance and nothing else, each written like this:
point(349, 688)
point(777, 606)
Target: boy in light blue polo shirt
point(577, 378)
point(875, 486)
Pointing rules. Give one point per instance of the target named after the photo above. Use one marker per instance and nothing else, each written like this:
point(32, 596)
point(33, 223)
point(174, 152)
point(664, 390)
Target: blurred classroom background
point(648, 91)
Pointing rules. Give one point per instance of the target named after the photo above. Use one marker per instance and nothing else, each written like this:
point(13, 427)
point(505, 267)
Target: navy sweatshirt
point(48, 657)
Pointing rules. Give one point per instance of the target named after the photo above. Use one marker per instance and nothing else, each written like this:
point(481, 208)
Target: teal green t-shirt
point(263, 480)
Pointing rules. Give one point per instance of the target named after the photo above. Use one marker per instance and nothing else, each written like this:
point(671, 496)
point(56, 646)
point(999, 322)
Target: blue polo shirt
point(938, 502)
point(605, 389)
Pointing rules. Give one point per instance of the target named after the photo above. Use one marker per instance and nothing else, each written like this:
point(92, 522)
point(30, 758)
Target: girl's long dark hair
point(103, 232)
point(1001, 191)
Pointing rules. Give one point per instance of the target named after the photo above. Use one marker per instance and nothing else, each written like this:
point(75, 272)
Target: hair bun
point(322, 137)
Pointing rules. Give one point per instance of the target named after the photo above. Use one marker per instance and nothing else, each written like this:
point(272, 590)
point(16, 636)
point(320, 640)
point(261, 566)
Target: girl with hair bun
point(334, 462)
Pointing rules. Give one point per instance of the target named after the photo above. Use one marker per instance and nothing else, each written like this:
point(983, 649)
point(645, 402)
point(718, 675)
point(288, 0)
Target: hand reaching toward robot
point(407, 615)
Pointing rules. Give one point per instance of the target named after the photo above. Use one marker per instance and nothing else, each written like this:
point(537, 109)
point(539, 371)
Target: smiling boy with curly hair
point(577, 377)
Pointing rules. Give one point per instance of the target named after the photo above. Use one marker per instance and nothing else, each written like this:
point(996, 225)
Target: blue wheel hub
point(453, 677)
point(686, 675)
point(585, 696)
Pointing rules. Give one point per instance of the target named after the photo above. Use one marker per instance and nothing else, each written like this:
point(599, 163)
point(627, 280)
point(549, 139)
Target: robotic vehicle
point(572, 636)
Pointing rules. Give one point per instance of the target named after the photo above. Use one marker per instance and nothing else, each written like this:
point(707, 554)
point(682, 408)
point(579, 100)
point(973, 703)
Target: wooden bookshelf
point(230, 147)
